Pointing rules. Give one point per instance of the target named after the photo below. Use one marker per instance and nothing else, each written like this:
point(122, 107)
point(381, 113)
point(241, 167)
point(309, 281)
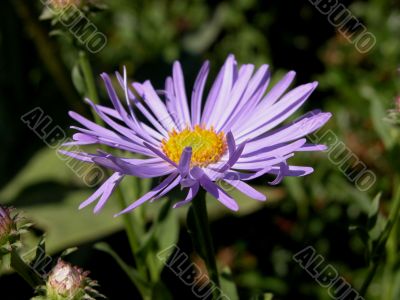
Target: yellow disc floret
point(207, 145)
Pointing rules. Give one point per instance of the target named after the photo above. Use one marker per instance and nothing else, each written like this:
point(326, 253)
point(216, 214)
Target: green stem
point(369, 278)
point(24, 270)
point(127, 218)
point(89, 83)
point(130, 232)
point(205, 240)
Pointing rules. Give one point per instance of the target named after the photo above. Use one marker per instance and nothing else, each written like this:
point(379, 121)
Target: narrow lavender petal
point(212, 95)
point(157, 137)
point(311, 147)
point(160, 154)
point(297, 171)
point(110, 182)
point(231, 143)
point(172, 185)
point(171, 103)
point(144, 171)
point(293, 131)
point(109, 189)
point(277, 91)
point(247, 176)
point(256, 166)
point(127, 132)
point(117, 142)
point(246, 189)
point(222, 97)
point(255, 90)
point(266, 153)
point(117, 103)
point(142, 130)
point(139, 105)
point(278, 112)
point(91, 125)
point(282, 171)
point(234, 158)
point(189, 197)
point(236, 94)
point(299, 128)
point(180, 92)
point(157, 106)
point(188, 182)
point(197, 93)
point(83, 137)
point(77, 155)
point(184, 162)
point(151, 194)
point(198, 174)
point(218, 193)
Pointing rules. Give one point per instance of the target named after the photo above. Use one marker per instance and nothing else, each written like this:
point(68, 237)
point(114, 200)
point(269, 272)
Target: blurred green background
point(258, 242)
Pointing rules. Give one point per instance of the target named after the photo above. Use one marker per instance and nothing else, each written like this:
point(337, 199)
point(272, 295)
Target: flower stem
point(201, 224)
point(127, 218)
point(24, 270)
point(89, 82)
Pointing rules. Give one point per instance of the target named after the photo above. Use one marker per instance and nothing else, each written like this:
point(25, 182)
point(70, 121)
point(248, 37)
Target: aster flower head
point(233, 134)
point(12, 225)
point(6, 224)
point(68, 282)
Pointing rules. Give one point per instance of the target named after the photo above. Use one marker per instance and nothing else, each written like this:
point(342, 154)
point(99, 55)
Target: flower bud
point(65, 281)
point(64, 3)
point(68, 282)
point(6, 225)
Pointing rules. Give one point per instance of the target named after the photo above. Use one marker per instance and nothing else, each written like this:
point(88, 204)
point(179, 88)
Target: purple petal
point(197, 93)
point(246, 189)
point(191, 194)
point(151, 194)
point(180, 93)
point(104, 191)
point(184, 162)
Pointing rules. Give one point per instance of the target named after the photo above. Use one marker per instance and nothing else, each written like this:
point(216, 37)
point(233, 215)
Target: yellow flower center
point(207, 145)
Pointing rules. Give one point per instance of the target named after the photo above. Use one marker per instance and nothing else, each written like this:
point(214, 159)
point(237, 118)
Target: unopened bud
point(6, 225)
point(68, 282)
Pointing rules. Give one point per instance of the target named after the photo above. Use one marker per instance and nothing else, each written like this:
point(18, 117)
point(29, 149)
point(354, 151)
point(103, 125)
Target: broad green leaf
point(65, 225)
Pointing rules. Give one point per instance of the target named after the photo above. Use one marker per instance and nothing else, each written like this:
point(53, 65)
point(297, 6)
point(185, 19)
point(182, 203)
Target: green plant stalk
point(24, 270)
point(393, 218)
point(202, 224)
point(89, 82)
point(127, 218)
point(388, 277)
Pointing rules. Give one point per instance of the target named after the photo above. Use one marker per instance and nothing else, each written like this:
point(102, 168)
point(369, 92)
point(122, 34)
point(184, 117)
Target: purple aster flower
point(234, 136)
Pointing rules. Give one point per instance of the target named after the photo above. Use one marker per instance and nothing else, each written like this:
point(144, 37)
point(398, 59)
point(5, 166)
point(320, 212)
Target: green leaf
point(78, 80)
point(374, 211)
point(49, 194)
